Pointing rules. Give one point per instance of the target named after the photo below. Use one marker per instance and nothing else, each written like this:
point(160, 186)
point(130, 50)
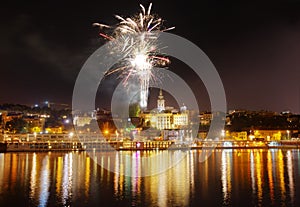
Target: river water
point(253, 177)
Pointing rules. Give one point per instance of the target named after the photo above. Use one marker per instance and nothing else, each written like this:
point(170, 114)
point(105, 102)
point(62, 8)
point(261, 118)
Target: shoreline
point(140, 146)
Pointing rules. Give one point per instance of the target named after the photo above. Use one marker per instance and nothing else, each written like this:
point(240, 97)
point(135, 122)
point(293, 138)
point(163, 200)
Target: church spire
point(160, 96)
point(160, 101)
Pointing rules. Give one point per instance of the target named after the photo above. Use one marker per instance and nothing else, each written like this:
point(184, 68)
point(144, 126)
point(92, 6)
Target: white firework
point(136, 39)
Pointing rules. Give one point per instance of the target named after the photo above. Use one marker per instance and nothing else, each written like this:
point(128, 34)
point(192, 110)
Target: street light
point(288, 134)
point(34, 133)
point(223, 133)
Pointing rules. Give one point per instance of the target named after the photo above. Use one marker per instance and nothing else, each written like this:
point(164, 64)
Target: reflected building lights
point(183, 187)
point(281, 175)
point(65, 180)
point(204, 168)
point(102, 169)
point(174, 183)
point(136, 173)
point(2, 163)
point(59, 174)
point(192, 170)
point(162, 190)
point(117, 176)
point(33, 176)
point(87, 175)
point(270, 175)
point(95, 167)
point(67, 177)
point(252, 171)
point(14, 169)
point(27, 166)
point(44, 182)
point(226, 175)
point(109, 167)
point(258, 167)
point(223, 176)
point(290, 170)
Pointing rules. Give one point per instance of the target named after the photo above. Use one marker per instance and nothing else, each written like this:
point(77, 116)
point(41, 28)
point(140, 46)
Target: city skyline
point(150, 103)
point(254, 47)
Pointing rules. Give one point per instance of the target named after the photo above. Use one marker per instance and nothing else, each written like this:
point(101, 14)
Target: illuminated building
point(85, 119)
point(165, 117)
point(171, 122)
point(205, 118)
point(36, 123)
point(9, 116)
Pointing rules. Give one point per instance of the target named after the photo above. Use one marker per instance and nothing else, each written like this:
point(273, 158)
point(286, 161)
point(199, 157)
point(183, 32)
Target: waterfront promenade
point(76, 145)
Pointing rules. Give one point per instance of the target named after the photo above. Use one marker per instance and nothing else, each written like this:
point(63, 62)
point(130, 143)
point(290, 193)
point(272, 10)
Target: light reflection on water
point(33, 176)
point(229, 177)
point(270, 176)
point(44, 182)
point(290, 175)
point(226, 175)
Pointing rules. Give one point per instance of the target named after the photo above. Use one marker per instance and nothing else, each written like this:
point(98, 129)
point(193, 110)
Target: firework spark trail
point(136, 38)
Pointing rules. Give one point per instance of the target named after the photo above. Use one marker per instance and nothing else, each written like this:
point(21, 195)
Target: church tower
point(160, 101)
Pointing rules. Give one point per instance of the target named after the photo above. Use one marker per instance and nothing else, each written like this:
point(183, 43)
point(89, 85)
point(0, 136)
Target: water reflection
point(270, 175)
point(171, 186)
point(290, 171)
point(67, 178)
point(33, 175)
point(138, 163)
point(259, 175)
point(44, 182)
point(59, 174)
point(280, 167)
point(1, 167)
point(228, 177)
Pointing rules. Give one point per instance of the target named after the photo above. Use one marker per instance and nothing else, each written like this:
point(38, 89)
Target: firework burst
point(136, 38)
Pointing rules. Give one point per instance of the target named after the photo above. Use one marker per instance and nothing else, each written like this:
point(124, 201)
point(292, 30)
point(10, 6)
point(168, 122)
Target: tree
point(16, 125)
point(134, 110)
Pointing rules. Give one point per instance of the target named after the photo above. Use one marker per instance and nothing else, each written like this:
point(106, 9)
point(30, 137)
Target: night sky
point(254, 45)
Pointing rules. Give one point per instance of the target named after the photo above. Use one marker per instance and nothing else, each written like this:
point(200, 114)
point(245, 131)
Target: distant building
point(54, 129)
point(36, 123)
point(205, 118)
point(165, 117)
point(171, 122)
point(271, 135)
point(8, 116)
point(52, 105)
point(82, 120)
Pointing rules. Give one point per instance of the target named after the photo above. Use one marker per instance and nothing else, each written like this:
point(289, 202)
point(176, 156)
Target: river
point(248, 177)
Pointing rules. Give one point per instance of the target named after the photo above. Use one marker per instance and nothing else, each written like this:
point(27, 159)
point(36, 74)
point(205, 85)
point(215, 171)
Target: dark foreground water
point(227, 178)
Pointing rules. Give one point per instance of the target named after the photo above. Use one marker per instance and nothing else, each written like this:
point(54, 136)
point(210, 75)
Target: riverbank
point(142, 145)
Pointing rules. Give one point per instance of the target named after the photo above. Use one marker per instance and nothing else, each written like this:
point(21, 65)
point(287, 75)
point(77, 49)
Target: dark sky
point(254, 45)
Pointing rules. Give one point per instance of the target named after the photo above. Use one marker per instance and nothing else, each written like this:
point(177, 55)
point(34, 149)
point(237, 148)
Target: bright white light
point(227, 144)
point(274, 144)
point(223, 133)
point(140, 62)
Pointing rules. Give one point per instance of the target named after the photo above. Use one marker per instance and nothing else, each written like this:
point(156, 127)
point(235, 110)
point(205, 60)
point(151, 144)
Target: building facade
point(165, 118)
